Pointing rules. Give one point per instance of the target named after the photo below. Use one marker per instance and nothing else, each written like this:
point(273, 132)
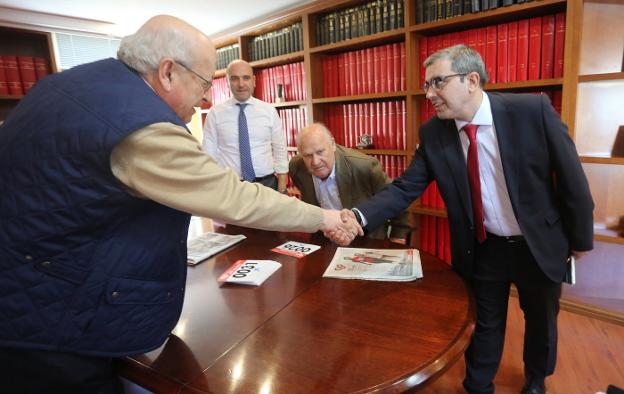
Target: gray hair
point(144, 49)
point(463, 59)
point(315, 125)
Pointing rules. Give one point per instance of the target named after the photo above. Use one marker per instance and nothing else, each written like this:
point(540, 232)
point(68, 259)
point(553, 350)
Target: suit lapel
point(457, 165)
point(343, 178)
point(509, 144)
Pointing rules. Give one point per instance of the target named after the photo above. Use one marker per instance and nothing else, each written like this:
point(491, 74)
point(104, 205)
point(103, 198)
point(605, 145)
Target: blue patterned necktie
point(247, 170)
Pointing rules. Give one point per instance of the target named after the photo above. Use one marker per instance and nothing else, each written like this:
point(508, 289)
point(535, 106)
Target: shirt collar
point(234, 101)
point(483, 117)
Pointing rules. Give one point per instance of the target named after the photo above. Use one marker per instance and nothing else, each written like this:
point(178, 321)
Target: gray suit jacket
point(358, 177)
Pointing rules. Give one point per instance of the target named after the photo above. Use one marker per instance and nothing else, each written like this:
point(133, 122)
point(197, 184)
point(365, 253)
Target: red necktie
point(475, 182)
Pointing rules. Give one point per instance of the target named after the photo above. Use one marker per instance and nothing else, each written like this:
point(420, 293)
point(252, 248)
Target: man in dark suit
point(334, 177)
point(517, 211)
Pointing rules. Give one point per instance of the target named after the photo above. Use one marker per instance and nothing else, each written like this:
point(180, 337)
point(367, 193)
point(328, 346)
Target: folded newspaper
point(375, 264)
point(209, 244)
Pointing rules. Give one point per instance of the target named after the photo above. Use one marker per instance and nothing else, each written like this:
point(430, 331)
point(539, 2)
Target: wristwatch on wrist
point(358, 217)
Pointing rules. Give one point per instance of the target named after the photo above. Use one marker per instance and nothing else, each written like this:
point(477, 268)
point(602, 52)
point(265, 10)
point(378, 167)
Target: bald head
point(165, 36)
point(317, 148)
point(176, 59)
point(240, 79)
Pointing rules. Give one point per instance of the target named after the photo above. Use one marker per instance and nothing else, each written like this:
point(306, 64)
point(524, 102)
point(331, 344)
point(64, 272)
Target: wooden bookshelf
point(587, 68)
point(22, 42)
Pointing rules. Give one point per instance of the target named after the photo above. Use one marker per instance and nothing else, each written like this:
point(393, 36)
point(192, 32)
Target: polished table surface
point(301, 333)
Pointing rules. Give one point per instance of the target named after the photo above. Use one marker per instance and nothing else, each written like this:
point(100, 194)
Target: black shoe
point(533, 385)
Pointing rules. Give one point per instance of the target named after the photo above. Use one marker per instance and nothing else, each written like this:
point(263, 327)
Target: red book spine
point(342, 74)
point(523, 50)
point(359, 72)
point(13, 76)
point(503, 52)
point(422, 50)
point(490, 53)
point(383, 137)
point(376, 70)
point(302, 81)
point(383, 72)
point(351, 88)
point(326, 76)
point(4, 87)
point(548, 46)
point(392, 129)
point(402, 84)
point(535, 47)
point(396, 67)
point(560, 26)
point(41, 67)
point(369, 71)
point(402, 124)
point(481, 40)
point(512, 50)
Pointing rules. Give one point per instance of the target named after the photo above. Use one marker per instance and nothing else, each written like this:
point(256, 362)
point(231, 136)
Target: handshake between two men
point(340, 226)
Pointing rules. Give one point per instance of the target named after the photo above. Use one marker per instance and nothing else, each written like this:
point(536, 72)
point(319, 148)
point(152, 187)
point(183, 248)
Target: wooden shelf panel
point(602, 160)
point(420, 210)
point(361, 97)
point(601, 77)
point(372, 40)
point(498, 15)
point(522, 85)
point(278, 60)
point(289, 104)
point(9, 98)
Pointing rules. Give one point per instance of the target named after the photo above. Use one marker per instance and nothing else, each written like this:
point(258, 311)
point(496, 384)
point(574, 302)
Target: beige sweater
point(164, 163)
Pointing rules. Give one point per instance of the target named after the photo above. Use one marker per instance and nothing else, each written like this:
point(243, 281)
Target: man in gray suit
point(332, 176)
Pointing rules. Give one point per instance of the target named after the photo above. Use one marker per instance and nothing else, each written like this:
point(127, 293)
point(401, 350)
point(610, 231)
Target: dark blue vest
point(85, 267)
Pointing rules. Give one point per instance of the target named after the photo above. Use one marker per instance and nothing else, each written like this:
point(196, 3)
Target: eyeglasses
point(206, 83)
point(438, 83)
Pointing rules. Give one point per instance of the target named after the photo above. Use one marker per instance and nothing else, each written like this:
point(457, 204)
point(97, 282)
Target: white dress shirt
point(499, 217)
point(327, 191)
point(266, 137)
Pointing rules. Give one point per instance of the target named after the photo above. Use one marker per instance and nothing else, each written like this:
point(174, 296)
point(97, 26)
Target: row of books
point(527, 49)
point(293, 120)
point(279, 42)
point(394, 166)
point(433, 10)
point(281, 83)
point(220, 90)
point(226, 54)
point(18, 74)
point(383, 121)
point(371, 70)
point(362, 20)
point(435, 237)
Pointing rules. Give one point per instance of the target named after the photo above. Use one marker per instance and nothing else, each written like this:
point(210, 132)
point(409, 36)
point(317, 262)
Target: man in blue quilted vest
point(99, 176)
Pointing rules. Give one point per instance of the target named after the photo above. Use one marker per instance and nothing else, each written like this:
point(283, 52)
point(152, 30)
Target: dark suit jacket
point(358, 177)
point(547, 187)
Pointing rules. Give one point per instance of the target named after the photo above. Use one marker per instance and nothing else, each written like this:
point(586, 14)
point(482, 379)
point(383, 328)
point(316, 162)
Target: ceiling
point(127, 15)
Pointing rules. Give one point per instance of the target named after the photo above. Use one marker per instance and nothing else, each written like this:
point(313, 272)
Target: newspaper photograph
point(375, 264)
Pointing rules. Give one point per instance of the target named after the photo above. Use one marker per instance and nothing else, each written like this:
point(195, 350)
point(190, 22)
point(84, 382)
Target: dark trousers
point(268, 181)
point(24, 371)
point(498, 263)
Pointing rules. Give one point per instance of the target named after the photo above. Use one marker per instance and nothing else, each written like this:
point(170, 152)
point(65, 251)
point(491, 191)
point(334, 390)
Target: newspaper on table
point(208, 244)
point(375, 264)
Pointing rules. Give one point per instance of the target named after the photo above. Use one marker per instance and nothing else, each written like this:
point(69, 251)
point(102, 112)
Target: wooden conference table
point(301, 333)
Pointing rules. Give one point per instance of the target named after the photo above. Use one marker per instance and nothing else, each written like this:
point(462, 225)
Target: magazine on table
point(208, 244)
point(375, 264)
